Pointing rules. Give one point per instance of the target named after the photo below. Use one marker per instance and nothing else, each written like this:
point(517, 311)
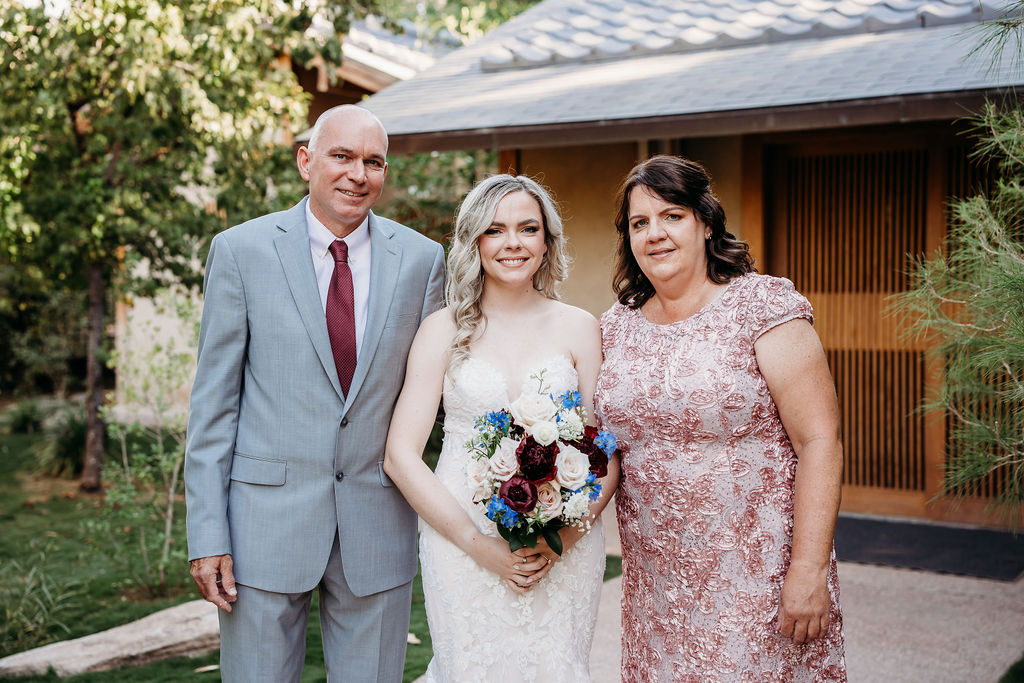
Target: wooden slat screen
point(883, 442)
point(850, 221)
point(854, 218)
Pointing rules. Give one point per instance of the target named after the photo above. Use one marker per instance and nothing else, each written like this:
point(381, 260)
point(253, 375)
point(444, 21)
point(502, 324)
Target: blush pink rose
point(478, 477)
point(549, 498)
point(572, 468)
point(504, 462)
point(530, 408)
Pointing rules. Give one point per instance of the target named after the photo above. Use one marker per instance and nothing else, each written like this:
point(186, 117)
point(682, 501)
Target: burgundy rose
point(519, 494)
point(536, 462)
point(598, 463)
point(586, 446)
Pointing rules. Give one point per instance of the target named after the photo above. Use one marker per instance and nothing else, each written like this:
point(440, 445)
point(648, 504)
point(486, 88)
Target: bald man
point(307, 321)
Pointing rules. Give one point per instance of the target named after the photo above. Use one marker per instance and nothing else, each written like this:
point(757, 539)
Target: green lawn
point(41, 524)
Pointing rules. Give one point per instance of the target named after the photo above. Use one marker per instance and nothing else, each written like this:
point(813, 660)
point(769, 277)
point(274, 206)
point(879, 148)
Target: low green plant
point(33, 602)
point(140, 522)
point(61, 453)
point(24, 417)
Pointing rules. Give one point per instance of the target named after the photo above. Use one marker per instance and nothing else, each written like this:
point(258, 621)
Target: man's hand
point(215, 580)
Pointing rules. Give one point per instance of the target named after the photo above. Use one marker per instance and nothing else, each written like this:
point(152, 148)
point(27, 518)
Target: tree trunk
point(92, 479)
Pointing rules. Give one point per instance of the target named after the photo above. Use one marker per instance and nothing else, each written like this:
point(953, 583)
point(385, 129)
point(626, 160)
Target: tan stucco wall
point(722, 157)
point(584, 181)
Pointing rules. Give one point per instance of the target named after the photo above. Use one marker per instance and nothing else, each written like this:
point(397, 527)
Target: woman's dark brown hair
point(684, 183)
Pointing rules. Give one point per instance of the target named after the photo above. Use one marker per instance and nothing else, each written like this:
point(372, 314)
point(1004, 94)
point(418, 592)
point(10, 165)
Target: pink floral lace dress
point(705, 506)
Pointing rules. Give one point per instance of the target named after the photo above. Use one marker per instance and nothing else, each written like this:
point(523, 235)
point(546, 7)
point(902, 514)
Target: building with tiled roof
point(617, 67)
point(833, 132)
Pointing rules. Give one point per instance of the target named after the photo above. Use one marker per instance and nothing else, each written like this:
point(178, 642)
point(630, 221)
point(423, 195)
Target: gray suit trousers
point(364, 637)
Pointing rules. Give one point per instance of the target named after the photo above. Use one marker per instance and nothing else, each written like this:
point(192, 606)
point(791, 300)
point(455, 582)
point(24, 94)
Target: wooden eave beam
point(841, 114)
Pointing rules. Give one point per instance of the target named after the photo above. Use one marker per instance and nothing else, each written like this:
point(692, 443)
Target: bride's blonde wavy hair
point(465, 285)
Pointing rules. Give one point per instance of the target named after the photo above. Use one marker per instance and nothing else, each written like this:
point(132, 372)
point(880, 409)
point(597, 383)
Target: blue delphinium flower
point(499, 419)
point(499, 512)
point(570, 400)
point(595, 493)
point(606, 442)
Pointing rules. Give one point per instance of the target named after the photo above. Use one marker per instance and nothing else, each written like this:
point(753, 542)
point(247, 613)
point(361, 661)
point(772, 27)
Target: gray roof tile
point(626, 26)
point(697, 36)
point(464, 92)
point(943, 9)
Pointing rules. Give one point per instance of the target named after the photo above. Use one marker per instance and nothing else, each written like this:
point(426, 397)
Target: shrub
point(62, 452)
point(24, 417)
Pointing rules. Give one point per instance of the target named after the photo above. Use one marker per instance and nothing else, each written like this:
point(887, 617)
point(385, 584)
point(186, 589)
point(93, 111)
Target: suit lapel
point(385, 259)
point(293, 250)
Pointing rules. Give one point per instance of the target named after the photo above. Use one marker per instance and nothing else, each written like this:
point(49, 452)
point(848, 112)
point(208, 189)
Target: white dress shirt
point(358, 241)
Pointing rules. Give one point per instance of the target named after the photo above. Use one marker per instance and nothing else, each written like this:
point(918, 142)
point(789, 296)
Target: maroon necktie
point(341, 316)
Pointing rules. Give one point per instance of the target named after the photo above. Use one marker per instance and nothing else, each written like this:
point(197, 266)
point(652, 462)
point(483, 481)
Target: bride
point(496, 615)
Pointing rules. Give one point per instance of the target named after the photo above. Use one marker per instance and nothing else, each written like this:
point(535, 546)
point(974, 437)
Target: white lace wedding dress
point(481, 630)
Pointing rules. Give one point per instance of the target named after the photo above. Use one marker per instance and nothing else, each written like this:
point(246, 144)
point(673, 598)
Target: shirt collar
point(320, 238)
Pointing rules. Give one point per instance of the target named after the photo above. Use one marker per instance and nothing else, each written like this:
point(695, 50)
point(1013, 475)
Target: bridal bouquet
point(534, 469)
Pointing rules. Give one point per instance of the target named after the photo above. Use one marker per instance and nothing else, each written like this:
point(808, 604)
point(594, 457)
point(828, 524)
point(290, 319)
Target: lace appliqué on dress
point(705, 503)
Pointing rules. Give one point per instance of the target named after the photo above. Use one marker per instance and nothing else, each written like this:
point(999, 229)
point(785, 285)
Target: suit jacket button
point(344, 422)
point(339, 475)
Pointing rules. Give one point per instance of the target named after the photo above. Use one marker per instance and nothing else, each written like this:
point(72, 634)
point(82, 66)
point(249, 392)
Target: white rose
point(504, 462)
point(577, 506)
point(543, 433)
point(530, 408)
point(478, 477)
point(549, 498)
point(573, 467)
point(571, 427)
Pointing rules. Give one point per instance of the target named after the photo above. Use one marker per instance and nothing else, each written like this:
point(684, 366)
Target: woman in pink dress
point(718, 386)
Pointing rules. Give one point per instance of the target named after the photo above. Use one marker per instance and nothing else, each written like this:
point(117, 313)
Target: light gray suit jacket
point(276, 458)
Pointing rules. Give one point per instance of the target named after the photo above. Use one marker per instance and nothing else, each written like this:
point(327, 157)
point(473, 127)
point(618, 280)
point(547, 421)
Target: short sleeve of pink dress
point(705, 506)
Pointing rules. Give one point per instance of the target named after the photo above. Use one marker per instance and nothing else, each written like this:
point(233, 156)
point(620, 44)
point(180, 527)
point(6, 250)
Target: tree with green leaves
point(132, 130)
point(969, 299)
point(469, 19)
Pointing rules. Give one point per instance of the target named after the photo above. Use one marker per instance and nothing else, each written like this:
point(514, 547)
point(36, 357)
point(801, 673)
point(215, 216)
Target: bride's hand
point(517, 570)
point(570, 536)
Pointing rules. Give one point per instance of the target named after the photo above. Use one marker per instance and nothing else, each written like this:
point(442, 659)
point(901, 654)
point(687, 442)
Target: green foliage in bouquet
point(520, 537)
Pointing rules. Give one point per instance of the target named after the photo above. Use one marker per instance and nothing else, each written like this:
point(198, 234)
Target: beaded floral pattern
point(481, 630)
point(705, 504)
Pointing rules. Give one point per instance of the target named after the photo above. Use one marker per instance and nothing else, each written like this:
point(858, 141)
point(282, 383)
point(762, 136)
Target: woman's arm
point(411, 423)
point(794, 366)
